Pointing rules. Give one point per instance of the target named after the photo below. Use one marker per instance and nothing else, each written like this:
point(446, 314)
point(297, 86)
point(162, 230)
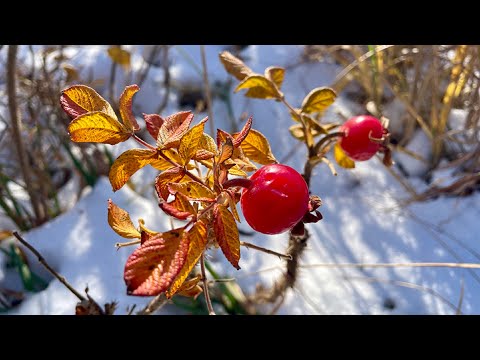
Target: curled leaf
point(154, 123)
point(77, 100)
point(341, 158)
point(190, 288)
point(197, 245)
point(234, 65)
point(226, 234)
point(151, 268)
point(119, 220)
point(97, 127)
point(318, 100)
point(239, 137)
point(162, 181)
point(226, 151)
point(275, 74)
point(259, 87)
point(179, 208)
point(256, 148)
point(126, 108)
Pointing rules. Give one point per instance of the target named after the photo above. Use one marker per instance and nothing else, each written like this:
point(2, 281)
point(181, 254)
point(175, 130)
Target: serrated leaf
point(97, 127)
point(226, 233)
point(119, 220)
point(240, 136)
point(189, 144)
point(161, 164)
point(341, 158)
point(119, 56)
point(275, 74)
point(234, 169)
point(256, 148)
point(77, 100)
point(318, 100)
point(226, 151)
point(151, 268)
point(234, 66)
point(192, 189)
point(207, 148)
point(128, 164)
point(259, 87)
point(154, 123)
point(171, 175)
point(126, 108)
point(173, 129)
point(179, 208)
point(198, 243)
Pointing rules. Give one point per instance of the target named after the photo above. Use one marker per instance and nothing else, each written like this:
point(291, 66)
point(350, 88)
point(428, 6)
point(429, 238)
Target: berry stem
point(242, 182)
point(325, 139)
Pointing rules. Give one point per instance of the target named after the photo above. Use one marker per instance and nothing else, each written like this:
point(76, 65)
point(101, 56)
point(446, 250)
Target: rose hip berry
point(359, 130)
point(276, 199)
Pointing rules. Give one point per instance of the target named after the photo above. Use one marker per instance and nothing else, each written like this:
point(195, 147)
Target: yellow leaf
point(233, 205)
point(190, 288)
point(342, 159)
point(81, 99)
point(235, 169)
point(126, 108)
point(128, 164)
point(198, 243)
point(120, 56)
point(180, 208)
point(119, 220)
point(256, 148)
point(189, 144)
point(161, 164)
point(259, 87)
point(152, 268)
point(275, 74)
point(192, 190)
point(318, 100)
point(97, 127)
point(226, 234)
point(226, 151)
point(234, 65)
point(5, 234)
point(71, 72)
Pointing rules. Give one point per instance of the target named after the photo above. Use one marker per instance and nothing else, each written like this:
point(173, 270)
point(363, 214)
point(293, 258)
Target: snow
point(364, 219)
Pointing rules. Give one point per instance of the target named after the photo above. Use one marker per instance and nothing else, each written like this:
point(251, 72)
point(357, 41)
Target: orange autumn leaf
point(77, 100)
point(256, 147)
point(190, 142)
point(128, 164)
point(151, 268)
point(173, 129)
point(192, 189)
point(97, 127)
point(162, 181)
point(126, 108)
point(119, 220)
point(198, 243)
point(180, 207)
point(190, 288)
point(226, 233)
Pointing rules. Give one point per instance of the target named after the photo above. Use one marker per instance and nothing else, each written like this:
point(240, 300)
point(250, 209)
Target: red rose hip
point(356, 142)
point(276, 199)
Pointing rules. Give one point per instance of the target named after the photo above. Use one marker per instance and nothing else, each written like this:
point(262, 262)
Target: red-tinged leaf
point(226, 233)
point(198, 243)
point(154, 123)
point(152, 267)
point(171, 175)
point(189, 144)
point(119, 220)
point(126, 107)
point(239, 137)
point(192, 190)
point(77, 100)
point(222, 136)
point(98, 127)
point(173, 129)
point(128, 164)
point(203, 155)
point(226, 151)
point(180, 208)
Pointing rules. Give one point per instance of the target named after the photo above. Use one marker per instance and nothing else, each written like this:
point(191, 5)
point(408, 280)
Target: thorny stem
point(208, 91)
point(42, 261)
point(268, 251)
point(205, 286)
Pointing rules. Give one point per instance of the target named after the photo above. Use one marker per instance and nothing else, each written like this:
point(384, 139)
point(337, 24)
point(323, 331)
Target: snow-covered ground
point(364, 221)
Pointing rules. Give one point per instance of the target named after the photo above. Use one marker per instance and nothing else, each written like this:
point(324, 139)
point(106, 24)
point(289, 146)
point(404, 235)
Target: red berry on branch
point(276, 199)
point(359, 131)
